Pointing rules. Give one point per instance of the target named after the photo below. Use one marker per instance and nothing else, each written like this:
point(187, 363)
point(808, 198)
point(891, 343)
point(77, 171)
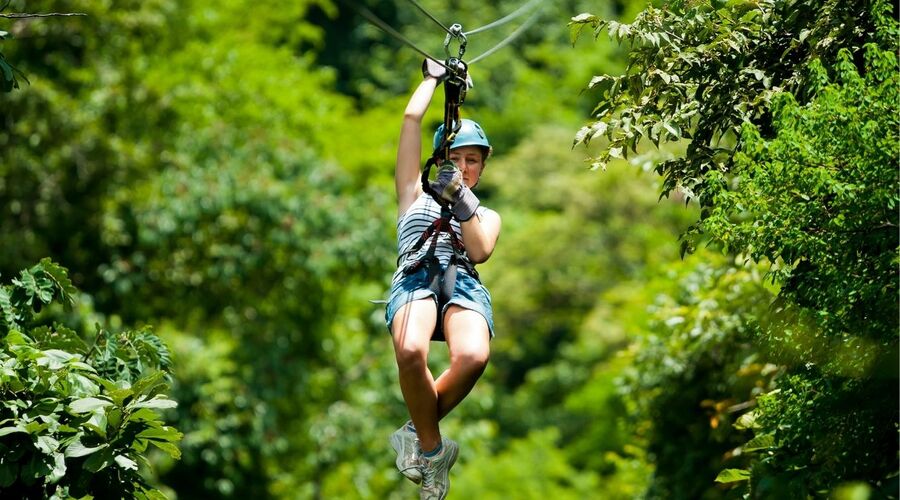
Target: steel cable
point(509, 17)
point(506, 41)
point(424, 11)
point(372, 18)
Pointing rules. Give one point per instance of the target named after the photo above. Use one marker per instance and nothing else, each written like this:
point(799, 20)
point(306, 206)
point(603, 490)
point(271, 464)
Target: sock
point(410, 427)
point(435, 452)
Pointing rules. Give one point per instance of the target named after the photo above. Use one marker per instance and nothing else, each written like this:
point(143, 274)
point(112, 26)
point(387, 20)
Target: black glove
point(451, 189)
point(432, 68)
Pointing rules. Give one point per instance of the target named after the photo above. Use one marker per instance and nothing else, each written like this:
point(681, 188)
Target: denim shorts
point(468, 293)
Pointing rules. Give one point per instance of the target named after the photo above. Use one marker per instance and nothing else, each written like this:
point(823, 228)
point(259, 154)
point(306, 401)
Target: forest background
point(218, 175)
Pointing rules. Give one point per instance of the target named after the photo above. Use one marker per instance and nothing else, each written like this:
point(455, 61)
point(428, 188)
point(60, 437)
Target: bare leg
point(468, 338)
point(412, 328)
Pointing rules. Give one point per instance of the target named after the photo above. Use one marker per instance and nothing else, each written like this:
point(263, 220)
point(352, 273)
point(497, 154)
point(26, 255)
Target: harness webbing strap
point(432, 232)
point(443, 282)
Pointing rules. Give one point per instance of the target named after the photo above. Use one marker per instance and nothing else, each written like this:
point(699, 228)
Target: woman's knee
point(470, 358)
point(412, 328)
point(411, 355)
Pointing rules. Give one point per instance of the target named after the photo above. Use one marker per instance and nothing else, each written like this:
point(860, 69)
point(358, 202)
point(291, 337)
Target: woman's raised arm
point(409, 149)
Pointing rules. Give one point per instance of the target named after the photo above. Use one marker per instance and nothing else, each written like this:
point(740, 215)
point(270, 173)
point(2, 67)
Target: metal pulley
point(458, 79)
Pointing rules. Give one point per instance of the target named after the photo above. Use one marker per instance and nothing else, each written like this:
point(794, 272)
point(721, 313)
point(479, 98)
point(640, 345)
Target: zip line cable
point(375, 20)
point(424, 11)
point(515, 34)
point(509, 17)
point(372, 18)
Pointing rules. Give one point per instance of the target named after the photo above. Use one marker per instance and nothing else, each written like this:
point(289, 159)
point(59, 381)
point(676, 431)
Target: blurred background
point(222, 171)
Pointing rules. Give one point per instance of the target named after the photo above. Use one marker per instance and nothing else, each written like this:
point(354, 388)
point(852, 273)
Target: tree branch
point(22, 15)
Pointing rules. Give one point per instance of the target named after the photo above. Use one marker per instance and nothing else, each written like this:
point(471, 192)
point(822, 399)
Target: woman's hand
point(433, 69)
point(451, 188)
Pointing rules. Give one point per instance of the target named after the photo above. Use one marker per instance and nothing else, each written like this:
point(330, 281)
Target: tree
point(9, 73)
point(788, 113)
point(822, 195)
point(76, 418)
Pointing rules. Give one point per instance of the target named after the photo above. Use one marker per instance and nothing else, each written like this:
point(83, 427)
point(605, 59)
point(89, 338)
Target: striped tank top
point(421, 214)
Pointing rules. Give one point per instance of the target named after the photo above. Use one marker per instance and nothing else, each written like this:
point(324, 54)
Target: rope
point(515, 34)
point(424, 11)
point(509, 17)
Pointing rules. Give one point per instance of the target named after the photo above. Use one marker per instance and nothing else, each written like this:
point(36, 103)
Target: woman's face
point(469, 161)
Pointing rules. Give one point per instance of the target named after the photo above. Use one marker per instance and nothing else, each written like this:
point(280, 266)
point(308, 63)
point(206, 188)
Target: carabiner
point(456, 32)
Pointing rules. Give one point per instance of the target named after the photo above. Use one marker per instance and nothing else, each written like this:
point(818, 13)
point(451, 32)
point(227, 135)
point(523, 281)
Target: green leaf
point(80, 365)
point(762, 442)
point(55, 359)
point(17, 338)
point(46, 444)
point(120, 395)
point(114, 417)
point(60, 277)
point(578, 23)
point(97, 423)
point(12, 430)
point(597, 80)
point(161, 433)
point(59, 337)
point(9, 312)
point(99, 461)
point(35, 427)
point(169, 448)
point(673, 129)
point(733, 476)
point(85, 405)
point(158, 402)
point(77, 449)
point(146, 384)
point(143, 415)
point(125, 462)
point(35, 287)
point(746, 421)
point(584, 17)
point(9, 80)
point(59, 468)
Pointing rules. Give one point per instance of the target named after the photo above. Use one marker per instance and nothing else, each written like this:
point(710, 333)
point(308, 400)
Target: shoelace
point(428, 473)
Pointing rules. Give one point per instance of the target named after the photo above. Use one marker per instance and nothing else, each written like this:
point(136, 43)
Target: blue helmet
point(470, 134)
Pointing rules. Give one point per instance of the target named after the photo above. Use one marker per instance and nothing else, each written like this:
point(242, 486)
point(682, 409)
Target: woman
point(413, 317)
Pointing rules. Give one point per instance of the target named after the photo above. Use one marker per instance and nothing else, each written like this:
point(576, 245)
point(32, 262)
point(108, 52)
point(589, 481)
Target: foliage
point(76, 419)
point(8, 72)
point(820, 199)
point(196, 167)
point(699, 70)
point(510, 474)
point(223, 170)
point(559, 346)
point(788, 110)
point(819, 439)
point(822, 196)
point(696, 369)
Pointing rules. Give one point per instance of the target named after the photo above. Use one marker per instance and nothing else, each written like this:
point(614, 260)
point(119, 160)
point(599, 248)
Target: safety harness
point(443, 283)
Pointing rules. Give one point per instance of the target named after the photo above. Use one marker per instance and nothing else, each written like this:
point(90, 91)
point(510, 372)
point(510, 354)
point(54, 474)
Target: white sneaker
point(404, 443)
point(436, 471)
